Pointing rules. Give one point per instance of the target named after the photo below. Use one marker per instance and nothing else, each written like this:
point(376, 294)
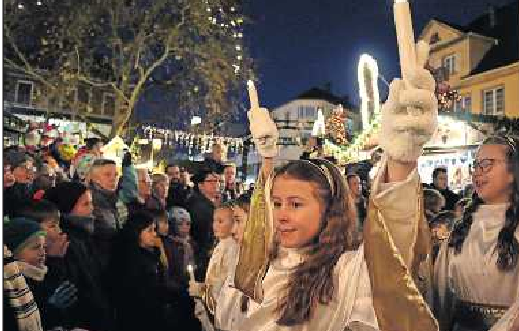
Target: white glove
point(263, 129)
point(410, 114)
point(196, 289)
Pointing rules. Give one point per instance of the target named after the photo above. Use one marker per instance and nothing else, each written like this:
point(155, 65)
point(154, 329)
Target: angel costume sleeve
point(383, 266)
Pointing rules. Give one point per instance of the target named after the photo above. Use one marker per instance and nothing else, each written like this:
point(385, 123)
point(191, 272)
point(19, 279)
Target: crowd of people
point(308, 249)
point(99, 251)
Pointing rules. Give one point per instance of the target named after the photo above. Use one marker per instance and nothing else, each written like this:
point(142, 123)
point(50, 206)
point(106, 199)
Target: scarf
point(20, 296)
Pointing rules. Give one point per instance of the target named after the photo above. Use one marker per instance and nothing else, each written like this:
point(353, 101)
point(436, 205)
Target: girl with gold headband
point(297, 262)
point(477, 271)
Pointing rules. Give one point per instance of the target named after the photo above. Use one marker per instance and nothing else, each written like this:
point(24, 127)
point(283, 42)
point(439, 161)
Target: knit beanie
point(18, 232)
point(180, 215)
point(65, 195)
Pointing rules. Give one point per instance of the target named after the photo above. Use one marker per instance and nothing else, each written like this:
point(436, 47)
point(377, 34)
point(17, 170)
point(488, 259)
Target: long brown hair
point(507, 244)
point(311, 283)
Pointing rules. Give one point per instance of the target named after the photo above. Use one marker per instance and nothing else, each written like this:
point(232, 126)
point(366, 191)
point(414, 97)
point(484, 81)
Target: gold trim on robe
point(398, 302)
point(255, 249)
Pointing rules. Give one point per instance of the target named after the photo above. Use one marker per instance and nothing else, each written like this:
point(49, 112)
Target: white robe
point(351, 307)
point(472, 275)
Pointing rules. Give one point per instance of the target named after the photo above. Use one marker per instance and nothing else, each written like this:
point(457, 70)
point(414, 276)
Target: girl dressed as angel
point(297, 261)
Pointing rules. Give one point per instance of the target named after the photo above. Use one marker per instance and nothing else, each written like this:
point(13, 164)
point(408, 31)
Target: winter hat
point(19, 231)
point(179, 215)
point(15, 158)
point(84, 165)
point(65, 195)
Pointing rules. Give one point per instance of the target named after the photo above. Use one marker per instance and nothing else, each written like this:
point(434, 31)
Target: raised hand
point(59, 246)
point(410, 115)
point(64, 296)
point(262, 127)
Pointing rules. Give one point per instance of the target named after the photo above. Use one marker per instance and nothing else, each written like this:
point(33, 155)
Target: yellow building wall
point(510, 82)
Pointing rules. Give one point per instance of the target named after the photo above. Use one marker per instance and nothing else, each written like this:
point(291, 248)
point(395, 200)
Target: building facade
point(295, 120)
point(480, 60)
point(76, 105)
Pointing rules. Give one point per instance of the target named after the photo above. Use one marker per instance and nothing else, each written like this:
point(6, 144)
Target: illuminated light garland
point(368, 88)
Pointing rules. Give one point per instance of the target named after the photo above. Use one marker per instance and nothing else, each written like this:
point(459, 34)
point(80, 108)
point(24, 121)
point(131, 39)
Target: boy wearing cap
point(26, 240)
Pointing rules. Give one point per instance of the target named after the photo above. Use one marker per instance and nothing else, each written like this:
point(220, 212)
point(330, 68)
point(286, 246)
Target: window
point(108, 106)
point(23, 92)
point(449, 62)
point(306, 112)
point(494, 101)
point(434, 39)
point(464, 104)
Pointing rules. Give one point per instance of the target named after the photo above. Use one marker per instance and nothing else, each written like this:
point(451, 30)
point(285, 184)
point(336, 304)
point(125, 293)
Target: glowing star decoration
point(114, 150)
point(368, 89)
point(319, 125)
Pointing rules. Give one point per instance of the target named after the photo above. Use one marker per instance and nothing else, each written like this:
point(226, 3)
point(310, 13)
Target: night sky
point(299, 44)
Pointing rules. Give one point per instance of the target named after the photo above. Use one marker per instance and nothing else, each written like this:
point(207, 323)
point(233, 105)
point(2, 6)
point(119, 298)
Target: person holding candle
point(138, 288)
point(297, 261)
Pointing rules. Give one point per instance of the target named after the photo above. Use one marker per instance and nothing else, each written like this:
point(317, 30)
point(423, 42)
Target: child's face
point(163, 228)
point(240, 219)
point(183, 228)
point(148, 236)
point(34, 252)
point(222, 223)
point(51, 226)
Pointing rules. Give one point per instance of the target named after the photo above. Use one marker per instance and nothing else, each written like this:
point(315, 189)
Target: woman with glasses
point(477, 273)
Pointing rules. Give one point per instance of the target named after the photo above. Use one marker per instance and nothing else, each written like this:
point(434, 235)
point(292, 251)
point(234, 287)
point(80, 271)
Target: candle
point(405, 37)
point(253, 95)
point(191, 272)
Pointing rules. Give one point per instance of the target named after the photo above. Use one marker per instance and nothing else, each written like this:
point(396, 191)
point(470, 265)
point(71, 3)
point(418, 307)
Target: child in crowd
point(441, 227)
point(183, 250)
point(433, 203)
point(223, 222)
point(48, 216)
point(221, 260)
point(26, 239)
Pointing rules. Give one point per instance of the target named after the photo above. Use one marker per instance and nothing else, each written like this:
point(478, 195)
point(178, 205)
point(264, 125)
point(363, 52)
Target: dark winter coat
point(140, 295)
point(82, 267)
point(201, 210)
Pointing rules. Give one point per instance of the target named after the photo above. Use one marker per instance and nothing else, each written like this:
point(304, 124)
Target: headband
point(323, 170)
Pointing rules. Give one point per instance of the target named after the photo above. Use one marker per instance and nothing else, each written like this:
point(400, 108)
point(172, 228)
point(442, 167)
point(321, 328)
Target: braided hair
point(507, 244)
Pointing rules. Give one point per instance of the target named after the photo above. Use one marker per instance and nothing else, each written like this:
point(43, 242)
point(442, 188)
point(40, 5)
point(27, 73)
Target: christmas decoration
point(336, 128)
point(368, 88)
